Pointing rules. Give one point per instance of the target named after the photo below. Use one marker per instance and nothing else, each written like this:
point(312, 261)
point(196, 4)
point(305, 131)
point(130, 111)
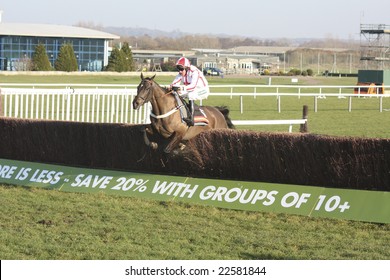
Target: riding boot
point(190, 119)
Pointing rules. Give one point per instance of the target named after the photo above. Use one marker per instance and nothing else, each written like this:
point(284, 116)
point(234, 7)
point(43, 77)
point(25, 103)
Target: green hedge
point(303, 159)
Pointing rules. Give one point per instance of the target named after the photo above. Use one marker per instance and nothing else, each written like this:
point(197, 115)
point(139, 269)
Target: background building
point(230, 61)
point(18, 42)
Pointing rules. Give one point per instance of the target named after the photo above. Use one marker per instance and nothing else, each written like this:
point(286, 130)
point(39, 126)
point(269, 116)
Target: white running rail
point(270, 122)
point(81, 105)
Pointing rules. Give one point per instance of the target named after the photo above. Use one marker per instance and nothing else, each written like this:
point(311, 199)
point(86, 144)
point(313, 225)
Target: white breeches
point(198, 94)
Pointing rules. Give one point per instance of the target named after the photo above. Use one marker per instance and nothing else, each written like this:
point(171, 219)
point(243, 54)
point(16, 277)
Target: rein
point(174, 110)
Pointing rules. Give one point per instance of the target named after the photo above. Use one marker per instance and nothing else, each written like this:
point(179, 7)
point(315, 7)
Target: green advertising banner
point(371, 206)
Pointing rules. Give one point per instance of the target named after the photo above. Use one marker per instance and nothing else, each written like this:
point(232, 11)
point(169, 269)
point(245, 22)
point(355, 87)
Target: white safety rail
point(270, 122)
point(101, 105)
point(316, 92)
point(112, 102)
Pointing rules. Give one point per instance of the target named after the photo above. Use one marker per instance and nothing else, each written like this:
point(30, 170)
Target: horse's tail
point(225, 112)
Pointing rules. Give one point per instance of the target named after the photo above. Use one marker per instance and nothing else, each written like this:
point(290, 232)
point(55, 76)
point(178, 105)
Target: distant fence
point(112, 103)
point(316, 92)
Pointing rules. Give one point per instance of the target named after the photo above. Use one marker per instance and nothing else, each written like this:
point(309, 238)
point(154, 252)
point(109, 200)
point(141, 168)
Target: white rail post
point(103, 108)
point(126, 108)
point(350, 104)
point(32, 106)
point(1, 105)
point(88, 106)
point(73, 105)
point(16, 106)
point(68, 102)
point(122, 107)
point(4, 113)
point(53, 97)
point(118, 95)
point(78, 109)
point(47, 106)
point(11, 105)
point(42, 106)
point(98, 96)
point(21, 105)
point(241, 105)
point(58, 98)
point(92, 112)
point(83, 108)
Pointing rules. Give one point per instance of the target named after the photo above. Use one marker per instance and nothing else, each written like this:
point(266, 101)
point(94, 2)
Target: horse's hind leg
point(173, 143)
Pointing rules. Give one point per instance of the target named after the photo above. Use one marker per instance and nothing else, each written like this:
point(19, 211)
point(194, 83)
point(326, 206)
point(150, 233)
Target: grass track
point(41, 224)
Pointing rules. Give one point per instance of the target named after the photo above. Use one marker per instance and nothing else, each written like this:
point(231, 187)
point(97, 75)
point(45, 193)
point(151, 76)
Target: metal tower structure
point(375, 46)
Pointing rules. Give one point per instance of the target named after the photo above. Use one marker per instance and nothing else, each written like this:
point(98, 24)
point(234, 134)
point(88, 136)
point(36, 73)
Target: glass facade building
point(16, 50)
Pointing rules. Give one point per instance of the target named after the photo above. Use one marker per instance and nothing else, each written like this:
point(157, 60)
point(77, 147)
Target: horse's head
point(144, 92)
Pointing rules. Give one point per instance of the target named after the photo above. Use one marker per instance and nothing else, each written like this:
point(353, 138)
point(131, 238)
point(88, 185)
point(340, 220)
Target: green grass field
point(42, 224)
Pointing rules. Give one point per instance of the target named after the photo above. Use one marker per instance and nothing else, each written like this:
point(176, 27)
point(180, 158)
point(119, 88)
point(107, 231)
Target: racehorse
point(166, 116)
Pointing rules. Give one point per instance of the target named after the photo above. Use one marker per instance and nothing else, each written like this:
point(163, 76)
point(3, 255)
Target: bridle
point(148, 97)
point(146, 88)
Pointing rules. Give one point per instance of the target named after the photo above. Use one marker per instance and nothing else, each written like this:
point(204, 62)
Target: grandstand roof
point(50, 30)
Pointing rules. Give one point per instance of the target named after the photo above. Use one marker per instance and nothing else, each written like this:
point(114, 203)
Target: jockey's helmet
point(184, 62)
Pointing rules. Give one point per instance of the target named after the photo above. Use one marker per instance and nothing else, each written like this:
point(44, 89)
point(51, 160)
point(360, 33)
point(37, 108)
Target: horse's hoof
point(154, 145)
point(182, 146)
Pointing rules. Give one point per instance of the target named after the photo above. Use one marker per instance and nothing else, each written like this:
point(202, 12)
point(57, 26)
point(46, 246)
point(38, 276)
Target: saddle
point(200, 117)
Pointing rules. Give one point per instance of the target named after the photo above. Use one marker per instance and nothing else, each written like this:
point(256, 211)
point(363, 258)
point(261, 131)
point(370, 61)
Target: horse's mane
point(164, 88)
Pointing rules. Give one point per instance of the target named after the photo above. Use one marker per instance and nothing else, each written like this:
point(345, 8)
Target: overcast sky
point(255, 18)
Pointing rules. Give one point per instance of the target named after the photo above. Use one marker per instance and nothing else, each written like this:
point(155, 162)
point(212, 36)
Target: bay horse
point(166, 117)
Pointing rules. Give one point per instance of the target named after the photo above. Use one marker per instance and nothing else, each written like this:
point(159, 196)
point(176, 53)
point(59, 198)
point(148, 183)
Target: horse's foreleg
point(153, 145)
point(174, 141)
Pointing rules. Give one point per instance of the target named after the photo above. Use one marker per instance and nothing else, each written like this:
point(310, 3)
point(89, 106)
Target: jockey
point(195, 85)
